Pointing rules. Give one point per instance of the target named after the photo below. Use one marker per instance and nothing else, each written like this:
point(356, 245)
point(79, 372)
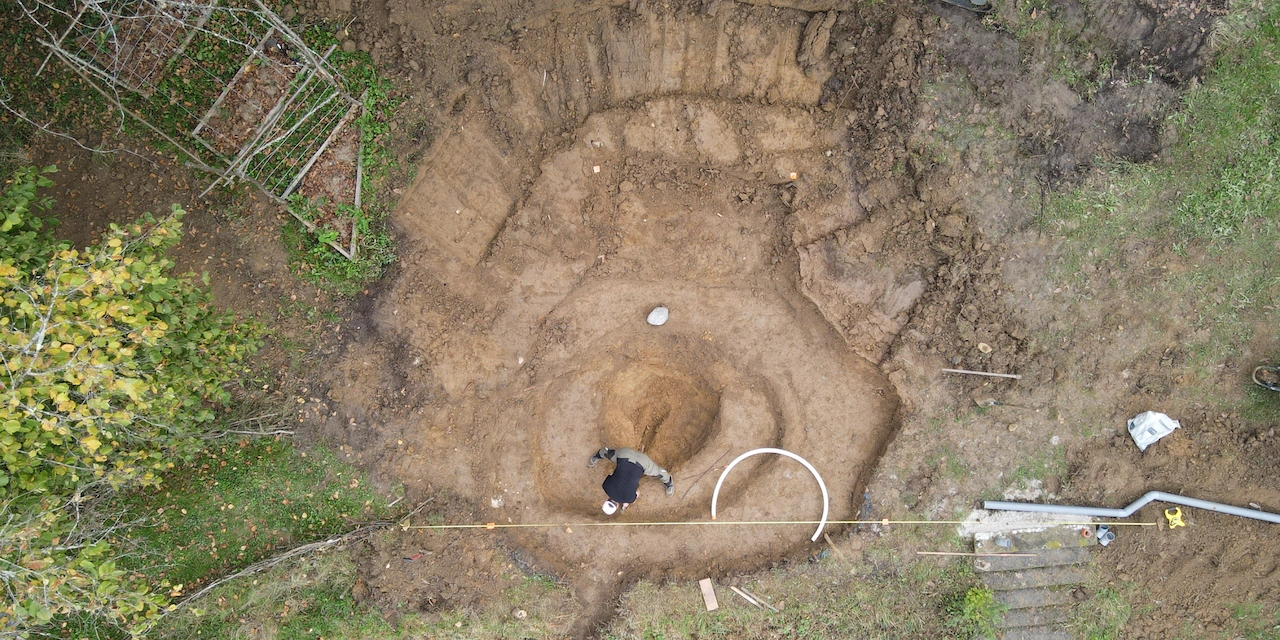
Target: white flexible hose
point(715, 495)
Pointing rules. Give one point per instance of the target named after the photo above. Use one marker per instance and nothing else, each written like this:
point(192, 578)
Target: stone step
point(1032, 578)
point(1035, 633)
point(1044, 597)
point(1033, 617)
point(1043, 558)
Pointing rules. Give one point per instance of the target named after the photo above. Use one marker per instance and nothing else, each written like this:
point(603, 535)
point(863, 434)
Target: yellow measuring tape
point(692, 523)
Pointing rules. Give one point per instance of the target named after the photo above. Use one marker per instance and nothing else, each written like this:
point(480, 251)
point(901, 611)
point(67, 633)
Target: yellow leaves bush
point(103, 340)
point(112, 370)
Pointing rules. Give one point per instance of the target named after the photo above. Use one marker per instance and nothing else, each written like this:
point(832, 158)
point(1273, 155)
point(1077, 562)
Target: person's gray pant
point(651, 468)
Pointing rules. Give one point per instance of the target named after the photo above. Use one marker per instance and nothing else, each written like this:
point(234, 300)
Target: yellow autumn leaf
point(91, 443)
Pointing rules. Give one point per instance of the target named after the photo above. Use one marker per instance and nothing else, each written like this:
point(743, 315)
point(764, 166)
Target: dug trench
point(749, 167)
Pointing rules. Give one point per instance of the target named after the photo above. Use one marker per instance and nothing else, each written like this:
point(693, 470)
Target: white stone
point(658, 316)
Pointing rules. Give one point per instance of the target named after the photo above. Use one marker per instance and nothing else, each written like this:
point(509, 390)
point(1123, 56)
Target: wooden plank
point(1033, 617)
point(1032, 578)
point(834, 548)
point(983, 373)
point(746, 597)
point(708, 594)
point(761, 601)
point(975, 555)
point(1027, 598)
point(1045, 558)
point(1043, 632)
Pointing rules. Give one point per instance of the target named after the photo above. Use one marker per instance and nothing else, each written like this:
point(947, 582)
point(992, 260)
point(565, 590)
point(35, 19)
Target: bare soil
point(833, 206)
point(254, 93)
point(552, 213)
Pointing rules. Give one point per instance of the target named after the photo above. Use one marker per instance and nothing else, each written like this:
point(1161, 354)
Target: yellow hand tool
point(1174, 515)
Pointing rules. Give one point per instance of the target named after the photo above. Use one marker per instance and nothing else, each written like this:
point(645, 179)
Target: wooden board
point(708, 594)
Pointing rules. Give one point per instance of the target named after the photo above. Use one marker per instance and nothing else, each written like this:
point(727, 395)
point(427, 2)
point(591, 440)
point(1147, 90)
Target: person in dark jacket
point(623, 484)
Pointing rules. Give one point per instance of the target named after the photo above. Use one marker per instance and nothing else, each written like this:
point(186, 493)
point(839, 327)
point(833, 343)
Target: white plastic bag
point(1147, 427)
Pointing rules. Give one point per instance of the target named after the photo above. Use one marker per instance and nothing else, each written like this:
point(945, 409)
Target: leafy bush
point(110, 371)
point(56, 565)
point(112, 362)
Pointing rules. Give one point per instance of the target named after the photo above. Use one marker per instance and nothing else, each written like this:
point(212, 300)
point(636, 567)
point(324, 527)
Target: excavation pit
point(664, 412)
point(542, 230)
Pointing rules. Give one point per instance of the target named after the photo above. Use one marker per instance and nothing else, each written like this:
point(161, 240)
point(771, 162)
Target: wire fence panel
point(228, 83)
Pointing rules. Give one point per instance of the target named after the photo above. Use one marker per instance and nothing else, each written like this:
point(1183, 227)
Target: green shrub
point(111, 368)
point(113, 364)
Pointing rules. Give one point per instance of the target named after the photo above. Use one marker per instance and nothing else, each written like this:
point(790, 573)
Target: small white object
point(595, 169)
point(708, 593)
point(610, 507)
point(1146, 428)
point(658, 316)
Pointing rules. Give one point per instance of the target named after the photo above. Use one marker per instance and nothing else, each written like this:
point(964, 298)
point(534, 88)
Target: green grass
point(1071, 50)
point(184, 92)
point(877, 598)
point(1261, 406)
point(310, 256)
point(316, 262)
point(244, 501)
point(1051, 461)
point(1212, 205)
point(312, 599)
point(1255, 621)
point(1103, 616)
point(230, 506)
point(948, 461)
point(58, 98)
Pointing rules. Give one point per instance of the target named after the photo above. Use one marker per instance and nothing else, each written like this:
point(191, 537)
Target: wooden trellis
point(231, 86)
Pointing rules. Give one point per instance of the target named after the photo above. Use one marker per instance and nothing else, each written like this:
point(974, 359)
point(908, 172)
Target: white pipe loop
point(715, 495)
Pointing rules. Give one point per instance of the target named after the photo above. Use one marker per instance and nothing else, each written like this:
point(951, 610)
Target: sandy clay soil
point(834, 202)
point(756, 169)
point(603, 163)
